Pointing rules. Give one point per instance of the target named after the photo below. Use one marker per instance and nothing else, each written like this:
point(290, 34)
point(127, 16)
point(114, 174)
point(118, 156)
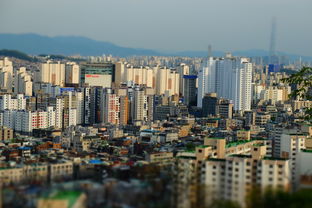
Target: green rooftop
point(258, 145)
point(234, 144)
point(202, 146)
point(274, 158)
point(70, 196)
point(241, 156)
point(216, 159)
point(306, 150)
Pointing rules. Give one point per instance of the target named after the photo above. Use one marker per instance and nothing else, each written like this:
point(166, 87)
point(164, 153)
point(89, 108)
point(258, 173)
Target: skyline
point(174, 31)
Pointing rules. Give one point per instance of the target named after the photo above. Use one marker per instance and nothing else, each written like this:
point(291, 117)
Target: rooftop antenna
point(273, 40)
point(209, 51)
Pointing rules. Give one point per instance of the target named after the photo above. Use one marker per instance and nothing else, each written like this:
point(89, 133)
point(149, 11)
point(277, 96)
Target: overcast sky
point(167, 25)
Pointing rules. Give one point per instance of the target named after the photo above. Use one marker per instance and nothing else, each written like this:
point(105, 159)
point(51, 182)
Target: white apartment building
point(59, 105)
point(53, 72)
point(80, 109)
point(72, 73)
point(220, 171)
point(182, 70)
point(22, 82)
point(163, 80)
point(291, 145)
point(9, 103)
point(230, 78)
point(304, 169)
point(110, 107)
point(6, 74)
point(138, 109)
point(25, 121)
point(234, 177)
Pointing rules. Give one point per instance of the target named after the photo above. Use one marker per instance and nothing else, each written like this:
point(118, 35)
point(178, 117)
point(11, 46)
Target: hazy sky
point(168, 25)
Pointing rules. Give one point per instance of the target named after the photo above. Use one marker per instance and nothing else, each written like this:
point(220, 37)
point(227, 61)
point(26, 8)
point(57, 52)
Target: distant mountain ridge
point(66, 45)
point(35, 44)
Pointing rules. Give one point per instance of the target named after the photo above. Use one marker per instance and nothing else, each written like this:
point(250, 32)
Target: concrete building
point(142, 105)
point(290, 147)
point(61, 170)
point(6, 74)
point(72, 74)
point(6, 134)
point(189, 92)
point(209, 105)
point(183, 70)
point(163, 80)
point(7, 102)
point(304, 169)
point(53, 72)
point(230, 78)
point(110, 107)
point(22, 82)
point(97, 74)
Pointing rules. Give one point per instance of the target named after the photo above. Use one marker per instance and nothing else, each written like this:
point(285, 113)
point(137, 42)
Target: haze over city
point(174, 25)
point(155, 104)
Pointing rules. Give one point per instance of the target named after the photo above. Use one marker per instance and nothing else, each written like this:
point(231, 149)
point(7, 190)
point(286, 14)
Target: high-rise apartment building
point(7, 102)
point(189, 90)
point(209, 105)
point(230, 78)
point(6, 75)
point(162, 79)
point(72, 72)
point(290, 146)
point(22, 82)
point(53, 72)
point(110, 107)
point(183, 70)
point(142, 105)
point(6, 134)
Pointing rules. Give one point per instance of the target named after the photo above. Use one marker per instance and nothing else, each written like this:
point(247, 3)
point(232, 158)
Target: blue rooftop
point(189, 76)
point(24, 148)
point(95, 162)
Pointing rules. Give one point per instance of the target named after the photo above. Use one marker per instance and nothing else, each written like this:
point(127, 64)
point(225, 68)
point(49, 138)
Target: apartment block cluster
point(219, 127)
point(221, 169)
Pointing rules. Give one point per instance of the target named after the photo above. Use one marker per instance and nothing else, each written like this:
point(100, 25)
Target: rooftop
point(236, 143)
point(203, 146)
point(258, 145)
point(70, 196)
point(150, 131)
point(306, 150)
point(241, 156)
point(274, 158)
point(216, 159)
point(214, 138)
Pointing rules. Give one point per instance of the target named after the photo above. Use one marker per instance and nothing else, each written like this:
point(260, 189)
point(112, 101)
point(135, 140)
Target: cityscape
point(86, 123)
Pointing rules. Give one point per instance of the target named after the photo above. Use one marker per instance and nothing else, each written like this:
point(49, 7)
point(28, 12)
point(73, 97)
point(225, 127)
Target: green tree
point(303, 80)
